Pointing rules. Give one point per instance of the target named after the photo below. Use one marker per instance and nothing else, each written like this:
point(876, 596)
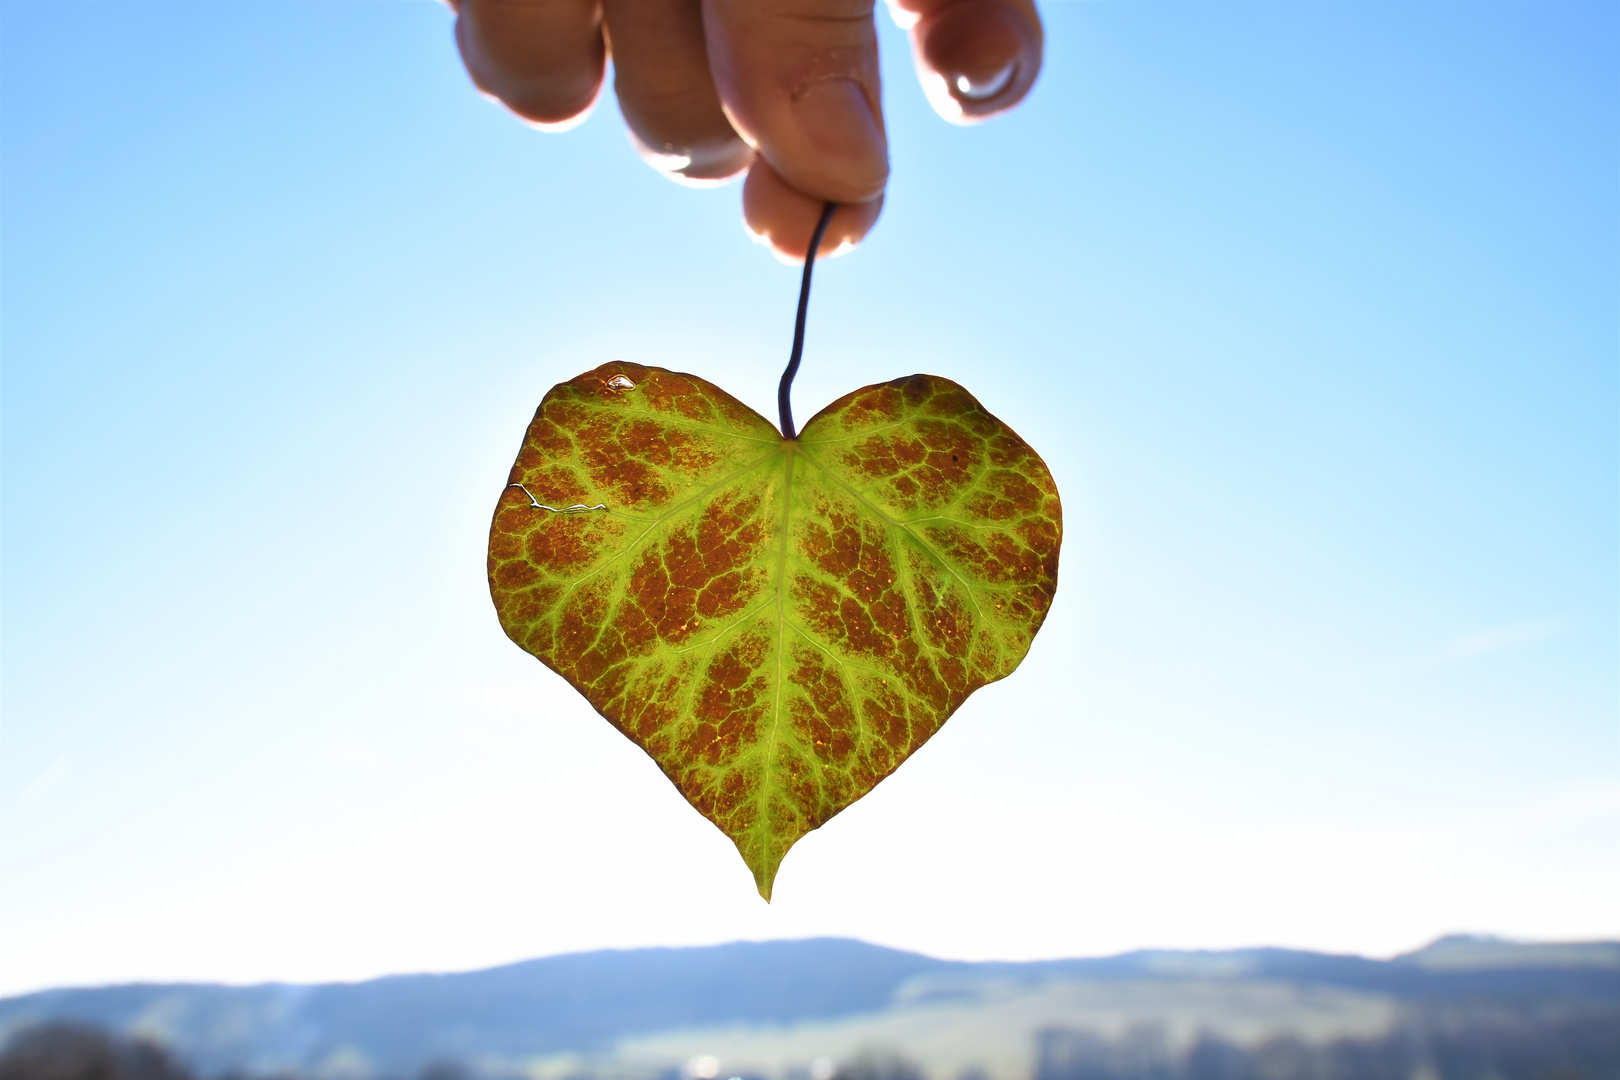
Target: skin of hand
point(786, 91)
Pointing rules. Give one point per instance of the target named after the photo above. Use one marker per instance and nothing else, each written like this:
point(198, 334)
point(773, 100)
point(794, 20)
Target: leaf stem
point(784, 391)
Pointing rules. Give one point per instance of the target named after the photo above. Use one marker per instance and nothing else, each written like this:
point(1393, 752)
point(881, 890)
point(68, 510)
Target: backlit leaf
point(779, 624)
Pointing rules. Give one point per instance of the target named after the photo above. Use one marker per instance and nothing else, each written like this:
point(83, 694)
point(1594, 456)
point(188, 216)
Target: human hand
point(786, 90)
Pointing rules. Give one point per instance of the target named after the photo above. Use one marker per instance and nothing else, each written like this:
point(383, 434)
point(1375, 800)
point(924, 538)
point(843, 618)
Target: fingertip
point(666, 91)
point(783, 218)
point(538, 118)
point(687, 140)
point(706, 163)
point(977, 58)
point(546, 65)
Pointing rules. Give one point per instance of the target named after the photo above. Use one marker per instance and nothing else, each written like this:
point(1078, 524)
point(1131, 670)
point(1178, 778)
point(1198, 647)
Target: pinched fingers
point(543, 59)
point(788, 89)
point(976, 58)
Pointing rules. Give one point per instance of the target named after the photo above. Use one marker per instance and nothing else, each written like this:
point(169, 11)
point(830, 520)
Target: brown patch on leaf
point(823, 714)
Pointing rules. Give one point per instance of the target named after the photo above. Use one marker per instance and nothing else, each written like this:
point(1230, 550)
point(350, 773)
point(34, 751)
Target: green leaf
point(778, 624)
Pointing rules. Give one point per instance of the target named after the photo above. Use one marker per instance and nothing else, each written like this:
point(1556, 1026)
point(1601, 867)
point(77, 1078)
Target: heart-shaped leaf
point(778, 623)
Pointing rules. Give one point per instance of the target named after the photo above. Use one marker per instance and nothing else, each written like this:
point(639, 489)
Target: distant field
point(992, 1027)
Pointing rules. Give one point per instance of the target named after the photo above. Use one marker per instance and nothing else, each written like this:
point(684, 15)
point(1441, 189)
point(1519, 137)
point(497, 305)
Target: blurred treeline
point(1474, 1043)
point(65, 1051)
point(1481, 1042)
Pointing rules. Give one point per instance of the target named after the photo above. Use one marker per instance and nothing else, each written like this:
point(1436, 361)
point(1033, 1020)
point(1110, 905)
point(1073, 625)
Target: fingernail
point(841, 129)
point(985, 88)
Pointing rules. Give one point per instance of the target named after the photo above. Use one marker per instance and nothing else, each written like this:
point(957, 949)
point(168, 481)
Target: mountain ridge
point(587, 1002)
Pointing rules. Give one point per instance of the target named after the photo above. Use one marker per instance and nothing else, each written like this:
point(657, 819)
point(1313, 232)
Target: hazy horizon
point(1493, 938)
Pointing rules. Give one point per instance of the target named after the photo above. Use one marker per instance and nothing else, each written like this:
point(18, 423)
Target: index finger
point(975, 58)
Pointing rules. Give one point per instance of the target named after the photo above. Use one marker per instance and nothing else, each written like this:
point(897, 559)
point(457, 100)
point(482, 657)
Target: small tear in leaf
point(619, 382)
point(577, 508)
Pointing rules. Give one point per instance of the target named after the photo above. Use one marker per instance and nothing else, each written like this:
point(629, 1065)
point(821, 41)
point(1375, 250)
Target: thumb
point(799, 81)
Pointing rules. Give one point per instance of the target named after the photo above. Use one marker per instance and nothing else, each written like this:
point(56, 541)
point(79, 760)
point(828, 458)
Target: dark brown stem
point(784, 392)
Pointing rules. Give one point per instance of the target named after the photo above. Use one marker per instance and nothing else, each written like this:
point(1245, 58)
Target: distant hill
point(581, 1007)
point(1463, 952)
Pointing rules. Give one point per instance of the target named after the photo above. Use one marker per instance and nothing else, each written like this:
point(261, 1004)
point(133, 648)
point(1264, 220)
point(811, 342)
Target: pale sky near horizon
point(1313, 309)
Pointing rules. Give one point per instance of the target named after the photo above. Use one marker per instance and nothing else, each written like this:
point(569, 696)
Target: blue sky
point(1312, 308)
